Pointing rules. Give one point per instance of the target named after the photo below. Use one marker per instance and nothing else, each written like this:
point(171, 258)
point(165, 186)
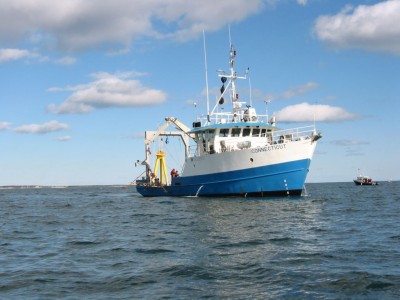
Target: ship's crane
point(150, 136)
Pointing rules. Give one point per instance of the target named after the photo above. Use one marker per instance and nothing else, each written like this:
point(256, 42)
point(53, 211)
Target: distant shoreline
point(22, 187)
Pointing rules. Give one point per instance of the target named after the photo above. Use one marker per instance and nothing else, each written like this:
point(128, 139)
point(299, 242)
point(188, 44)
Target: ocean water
point(340, 242)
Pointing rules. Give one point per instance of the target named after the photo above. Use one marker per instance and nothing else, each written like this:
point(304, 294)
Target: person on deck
point(173, 174)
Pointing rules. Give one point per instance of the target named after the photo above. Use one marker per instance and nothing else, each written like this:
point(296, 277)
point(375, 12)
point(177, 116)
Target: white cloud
point(107, 90)
point(300, 90)
point(375, 27)
point(4, 125)
point(295, 91)
point(10, 54)
point(302, 2)
point(66, 60)
point(346, 142)
point(13, 54)
point(64, 138)
point(42, 128)
point(192, 17)
point(82, 24)
point(305, 112)
point(352, 152)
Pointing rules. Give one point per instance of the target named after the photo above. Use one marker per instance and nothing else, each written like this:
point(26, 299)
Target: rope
point(173, 158)
point(139, 175)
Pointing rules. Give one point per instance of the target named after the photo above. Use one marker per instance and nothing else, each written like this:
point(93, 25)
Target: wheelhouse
point(220, 138)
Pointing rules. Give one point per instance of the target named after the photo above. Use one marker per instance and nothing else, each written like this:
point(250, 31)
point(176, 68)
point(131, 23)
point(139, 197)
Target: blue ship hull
point(284, 179)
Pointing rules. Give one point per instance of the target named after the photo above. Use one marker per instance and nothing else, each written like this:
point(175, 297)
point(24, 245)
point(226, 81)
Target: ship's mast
point(205, 65)
point(232, 55)
point(232, 76)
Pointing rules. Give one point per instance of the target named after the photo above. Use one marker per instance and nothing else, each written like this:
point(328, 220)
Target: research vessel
point(235, 153)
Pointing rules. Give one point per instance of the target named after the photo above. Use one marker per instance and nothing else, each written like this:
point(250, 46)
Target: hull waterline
point(286, 179)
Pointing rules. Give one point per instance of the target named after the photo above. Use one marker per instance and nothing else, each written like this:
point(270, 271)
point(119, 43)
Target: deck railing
point(228, 117)
point(293, 134)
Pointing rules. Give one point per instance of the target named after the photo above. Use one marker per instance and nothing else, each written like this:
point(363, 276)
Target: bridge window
point(224, 132)
point(236, 131)
point(246, 131)
point(256, 132)
point(263, 131)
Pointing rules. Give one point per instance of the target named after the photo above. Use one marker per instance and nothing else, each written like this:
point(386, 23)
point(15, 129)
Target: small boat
point(364, 180)
point(236, 153)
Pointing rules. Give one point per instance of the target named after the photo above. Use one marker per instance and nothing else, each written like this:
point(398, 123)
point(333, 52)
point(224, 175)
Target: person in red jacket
point(173, 174)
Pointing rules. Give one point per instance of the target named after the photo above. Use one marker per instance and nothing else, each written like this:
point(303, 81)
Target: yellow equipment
point(160, 163)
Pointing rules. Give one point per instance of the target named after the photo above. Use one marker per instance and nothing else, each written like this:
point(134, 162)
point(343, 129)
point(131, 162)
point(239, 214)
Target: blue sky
point(80, 81)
